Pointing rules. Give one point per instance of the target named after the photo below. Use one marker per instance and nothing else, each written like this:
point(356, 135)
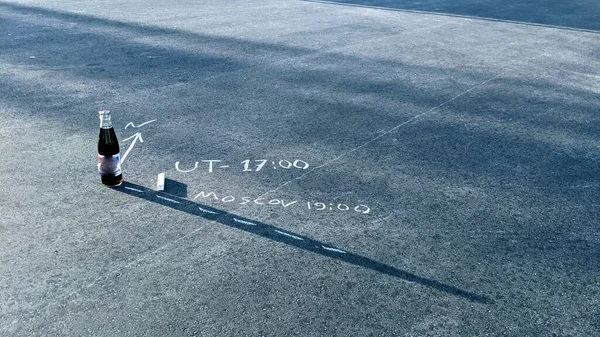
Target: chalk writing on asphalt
point(137, 136)
point(248, 165)
point(315, 206)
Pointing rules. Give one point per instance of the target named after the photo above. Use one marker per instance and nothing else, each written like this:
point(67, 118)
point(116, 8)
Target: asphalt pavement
point(334, 168)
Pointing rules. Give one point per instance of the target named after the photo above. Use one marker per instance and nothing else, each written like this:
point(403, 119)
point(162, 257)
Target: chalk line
point(133, 189)
point(137, 136)
point(133, 125)
point(334, 250)
point(410, 120)
point(167, 199)
point(118, 270)
point(206, 211)
point(244, 222)
point(290, 235)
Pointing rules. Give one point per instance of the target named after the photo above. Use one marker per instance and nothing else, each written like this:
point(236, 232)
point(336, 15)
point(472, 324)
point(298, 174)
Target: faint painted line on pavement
point(119, 270)
point(410, 120)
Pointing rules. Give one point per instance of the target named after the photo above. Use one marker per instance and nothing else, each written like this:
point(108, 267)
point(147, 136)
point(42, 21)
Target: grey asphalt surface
point(385, 168)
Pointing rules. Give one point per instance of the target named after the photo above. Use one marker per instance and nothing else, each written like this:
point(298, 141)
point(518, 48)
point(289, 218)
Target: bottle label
point(109, 165)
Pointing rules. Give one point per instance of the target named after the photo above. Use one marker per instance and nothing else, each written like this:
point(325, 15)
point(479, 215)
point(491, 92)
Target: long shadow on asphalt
point(289, 238)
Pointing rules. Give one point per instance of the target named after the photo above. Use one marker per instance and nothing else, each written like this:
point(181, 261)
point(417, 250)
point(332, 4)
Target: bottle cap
point(104, 112)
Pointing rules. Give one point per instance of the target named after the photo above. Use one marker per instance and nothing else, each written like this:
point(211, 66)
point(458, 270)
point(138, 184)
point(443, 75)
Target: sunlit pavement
point(334, 168)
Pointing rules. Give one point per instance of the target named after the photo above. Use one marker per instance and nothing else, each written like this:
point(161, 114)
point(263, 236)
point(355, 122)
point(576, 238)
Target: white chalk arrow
point(138, 135)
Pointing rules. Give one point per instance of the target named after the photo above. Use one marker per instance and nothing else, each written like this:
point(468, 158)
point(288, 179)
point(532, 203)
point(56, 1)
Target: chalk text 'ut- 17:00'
point(246, 166)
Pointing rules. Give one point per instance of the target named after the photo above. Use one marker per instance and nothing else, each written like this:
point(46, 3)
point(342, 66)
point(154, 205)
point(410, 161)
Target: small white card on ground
point(160, 182)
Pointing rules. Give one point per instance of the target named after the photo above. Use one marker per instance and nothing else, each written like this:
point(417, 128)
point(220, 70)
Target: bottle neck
point(105, 122)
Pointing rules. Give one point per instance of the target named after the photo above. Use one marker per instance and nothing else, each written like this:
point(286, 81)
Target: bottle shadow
point(286, 237)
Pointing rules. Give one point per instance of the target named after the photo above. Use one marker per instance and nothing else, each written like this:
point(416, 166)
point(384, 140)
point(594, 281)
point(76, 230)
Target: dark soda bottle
point(109, 156)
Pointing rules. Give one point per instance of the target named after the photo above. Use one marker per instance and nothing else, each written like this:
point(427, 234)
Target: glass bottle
point(109, 156)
